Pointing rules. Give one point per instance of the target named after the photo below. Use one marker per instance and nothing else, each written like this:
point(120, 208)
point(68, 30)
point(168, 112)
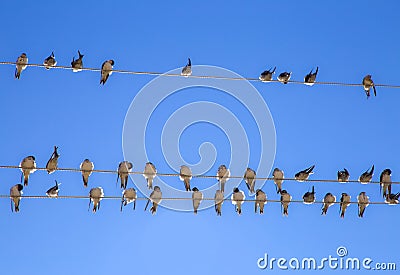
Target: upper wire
point(194, 176)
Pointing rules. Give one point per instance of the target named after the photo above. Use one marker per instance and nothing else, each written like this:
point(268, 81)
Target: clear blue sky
point(330, 126)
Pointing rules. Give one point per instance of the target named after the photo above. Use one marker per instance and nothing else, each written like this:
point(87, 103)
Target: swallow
point(310, 78)
point(343, 176)
point(197, 197)
point(129, 195)
point(329, 200)
point(87, 168)
point(266, 76)
point(278, 179)
point(386, 182)
point(284, 77)
point(77, 65)
point(250, 179)
point(187, 70)
point(344, 203)
point(52, 163)
point(53, 191)
point(219, 200)
point(285, 201)
point(21, 64)
point(28, 166)
point(309, 197)
point(363, 202)
point(185, 175)
point(304, 174)
point(15, 195)
point(223, 175)
point(106, 70)
point(366, 176)
point(124, 168)
point(155, 198)
point(95, 195)
point(237, 199)
point(368, 83)
point(50, 61)
point(392, 199)
point(149, 174)
point(261, 200)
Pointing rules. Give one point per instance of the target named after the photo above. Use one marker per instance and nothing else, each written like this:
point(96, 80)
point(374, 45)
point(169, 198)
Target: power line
point(331, 83)
point(77, 170)
point(2, 196)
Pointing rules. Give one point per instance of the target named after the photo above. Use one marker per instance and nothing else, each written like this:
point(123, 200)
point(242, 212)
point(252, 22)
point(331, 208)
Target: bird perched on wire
point(52, 163)
point(363, 202)
point(197, 197)
point(87, 168)
point(187, 70)
point(155, 198)
point(386, 182)
point(223, 175)
point(50, 61)
point(237, 199)
point(53, 191)
point(149, 174)
point(368, 83)
point(284, 77)
point(278, 179)
point(310, 78)
point(266, 76)
point(28, 166)
point(304, 174)
point(343, 176)
point(95, 195)
point(285, 201)
point(128, 196)
point(250, 179)
point(329, 200)
point(261, 200)
point(185, 175)
point(21, 64)
point(392, 199)
point(344, 203)
point(218, 200)
point(106, 70)
point(77, 65)
point(15, 195)
point(124, 168)
point(366, 177)
point(309, 197)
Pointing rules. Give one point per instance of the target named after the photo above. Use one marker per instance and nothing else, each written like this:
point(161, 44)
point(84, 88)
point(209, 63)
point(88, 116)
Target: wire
point(208, 76)
point(194, 176)
point(170, 199)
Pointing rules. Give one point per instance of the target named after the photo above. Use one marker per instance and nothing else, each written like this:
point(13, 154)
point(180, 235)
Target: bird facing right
point(106, 70)
point(87, 168)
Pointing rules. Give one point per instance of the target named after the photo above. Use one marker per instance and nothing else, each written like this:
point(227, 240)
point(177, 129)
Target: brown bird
point(185, 175)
